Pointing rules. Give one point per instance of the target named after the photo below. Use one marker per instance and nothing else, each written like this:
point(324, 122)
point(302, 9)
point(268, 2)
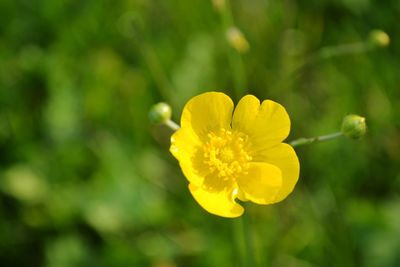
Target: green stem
point(248, 240)
point(172, 125)
point(345, 49)
point(311, 140)
point(244, 241)
point(328, 52)
point(156, 70)
point(137, 32)
point(235, 59)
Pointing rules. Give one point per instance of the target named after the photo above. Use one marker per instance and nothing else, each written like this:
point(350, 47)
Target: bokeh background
point(86, 180)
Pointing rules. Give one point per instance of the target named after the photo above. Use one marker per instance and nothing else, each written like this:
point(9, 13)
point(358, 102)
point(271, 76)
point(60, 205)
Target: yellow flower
point(225, 156)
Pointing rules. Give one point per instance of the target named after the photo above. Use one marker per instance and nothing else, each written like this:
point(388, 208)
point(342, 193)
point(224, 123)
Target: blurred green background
point(86, 180)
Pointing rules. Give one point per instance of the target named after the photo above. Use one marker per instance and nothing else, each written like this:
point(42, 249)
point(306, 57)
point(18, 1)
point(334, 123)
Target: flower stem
point(307, 141)
point(156, 70)
point(248, 240)
point(235, 59)
point(172, 125)
point(344, 49)
point(328, 52)
point(134, 29)
point(242, 231)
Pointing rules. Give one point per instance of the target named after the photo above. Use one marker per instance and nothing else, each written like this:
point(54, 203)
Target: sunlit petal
point(221, 203)
point(184, 147)
point(266, 125)
point(261, 183)
point(206, 113)
point(284, 157)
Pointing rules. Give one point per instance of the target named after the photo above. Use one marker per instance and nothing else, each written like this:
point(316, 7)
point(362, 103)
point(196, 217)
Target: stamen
point(225, 154)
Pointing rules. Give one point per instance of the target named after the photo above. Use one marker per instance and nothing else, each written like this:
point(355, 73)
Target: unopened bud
point(237, 40)
point(160, 113)
point(219, 4)
point(379, 38)
point(354, 126)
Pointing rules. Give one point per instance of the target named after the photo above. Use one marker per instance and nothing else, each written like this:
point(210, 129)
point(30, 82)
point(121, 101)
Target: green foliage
point(85, 180)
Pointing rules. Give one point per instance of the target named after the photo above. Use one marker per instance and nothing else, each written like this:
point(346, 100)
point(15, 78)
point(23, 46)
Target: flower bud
point(219, 5)
point(379, 38)
point(237, 40)
point(354, 126)
point(160, 113)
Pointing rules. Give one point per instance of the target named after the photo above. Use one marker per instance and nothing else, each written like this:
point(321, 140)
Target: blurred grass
point(86, 181)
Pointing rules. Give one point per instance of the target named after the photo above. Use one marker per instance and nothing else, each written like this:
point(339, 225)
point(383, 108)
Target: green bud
point(160, 113)
point(379, 38)
point(354, 126)
point(237, 40)
point(219, 5)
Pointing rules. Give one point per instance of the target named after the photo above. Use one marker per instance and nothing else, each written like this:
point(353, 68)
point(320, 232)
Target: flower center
point(225, 154)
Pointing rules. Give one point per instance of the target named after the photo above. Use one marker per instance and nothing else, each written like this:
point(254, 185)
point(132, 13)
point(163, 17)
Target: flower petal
point(184, 147)
point(266, 125)
point(206, 113)
point(221, 203)
point(261, 183)
point(284, 157)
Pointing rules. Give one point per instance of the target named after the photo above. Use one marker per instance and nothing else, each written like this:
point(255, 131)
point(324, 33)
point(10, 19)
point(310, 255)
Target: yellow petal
point(284, 157)
point(206, 113)
point(221, 203)
point(261, 183)
point(266, 125)
point(184, 147)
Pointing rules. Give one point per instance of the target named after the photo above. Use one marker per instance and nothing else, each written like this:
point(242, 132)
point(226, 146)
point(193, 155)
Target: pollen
point(225, 154)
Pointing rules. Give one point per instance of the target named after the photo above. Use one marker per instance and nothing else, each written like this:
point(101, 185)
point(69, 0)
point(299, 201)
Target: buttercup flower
point(226, 154)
